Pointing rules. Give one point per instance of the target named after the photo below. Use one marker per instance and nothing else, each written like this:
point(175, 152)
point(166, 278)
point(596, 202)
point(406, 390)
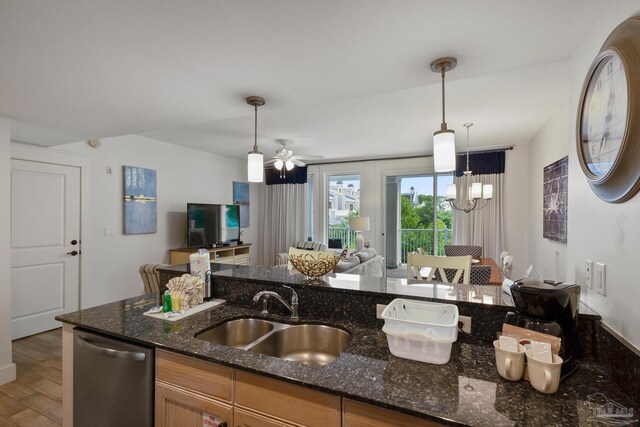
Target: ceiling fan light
point(444, 151)
point(255, 169)
point(289, 165)
point(278, 164)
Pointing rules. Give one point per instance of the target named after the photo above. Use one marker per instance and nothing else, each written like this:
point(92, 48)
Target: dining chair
point(502, 255)
point(479, 275)
point(507, 266)
point(151, 277)
point(461, 250)
point(461, 265)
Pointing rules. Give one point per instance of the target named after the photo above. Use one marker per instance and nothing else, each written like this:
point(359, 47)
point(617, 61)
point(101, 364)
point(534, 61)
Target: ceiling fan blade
point(270, 161)
point(297, 162)
point(308, 157)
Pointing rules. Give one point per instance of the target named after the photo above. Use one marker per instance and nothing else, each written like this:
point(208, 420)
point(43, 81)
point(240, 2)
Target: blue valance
point(297, 175)
point(489, 163)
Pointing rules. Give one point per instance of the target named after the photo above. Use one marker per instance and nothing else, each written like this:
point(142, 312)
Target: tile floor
point(34, 399)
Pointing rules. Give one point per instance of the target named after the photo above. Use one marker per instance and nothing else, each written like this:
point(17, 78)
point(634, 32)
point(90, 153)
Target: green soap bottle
point(166, 302)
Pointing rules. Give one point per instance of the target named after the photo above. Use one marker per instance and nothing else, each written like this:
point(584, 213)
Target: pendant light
point(444, 145)
point(471, 191)
point(255, 161)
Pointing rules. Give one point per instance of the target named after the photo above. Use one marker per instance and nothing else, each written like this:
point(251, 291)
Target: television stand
point(224, 255)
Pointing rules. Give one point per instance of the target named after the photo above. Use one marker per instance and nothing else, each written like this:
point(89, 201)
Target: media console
point(225, 255)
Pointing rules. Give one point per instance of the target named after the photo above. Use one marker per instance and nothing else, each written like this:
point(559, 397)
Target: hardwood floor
point(34, 399)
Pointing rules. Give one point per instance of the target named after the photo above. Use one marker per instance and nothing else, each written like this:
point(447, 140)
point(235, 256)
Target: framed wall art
point(241, 197)
point(140, 200)
point(555, 195)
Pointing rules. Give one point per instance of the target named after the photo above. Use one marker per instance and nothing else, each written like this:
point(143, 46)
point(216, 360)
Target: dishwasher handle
point(110, 352)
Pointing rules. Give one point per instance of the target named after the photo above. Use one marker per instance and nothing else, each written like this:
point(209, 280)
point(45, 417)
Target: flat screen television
point(209, 224)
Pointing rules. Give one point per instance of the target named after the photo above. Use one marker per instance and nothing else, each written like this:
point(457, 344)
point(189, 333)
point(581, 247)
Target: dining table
point(496, 274)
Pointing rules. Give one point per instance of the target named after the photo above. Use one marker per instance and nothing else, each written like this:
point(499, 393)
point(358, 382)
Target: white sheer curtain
point(483, 227)
point(284, 219)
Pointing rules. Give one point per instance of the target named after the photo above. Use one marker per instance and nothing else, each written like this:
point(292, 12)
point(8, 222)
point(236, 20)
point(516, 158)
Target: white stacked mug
point(510, 363)
point(544, 376)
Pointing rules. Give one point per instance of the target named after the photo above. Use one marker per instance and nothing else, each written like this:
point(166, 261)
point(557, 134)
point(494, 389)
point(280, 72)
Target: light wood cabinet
point(225, 255)
point(356, 414)
point(189, 389)
point(198, 375)
point(286, 401)
point(243, 418)
point(177, 407)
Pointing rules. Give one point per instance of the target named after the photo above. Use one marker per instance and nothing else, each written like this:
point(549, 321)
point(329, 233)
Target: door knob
point(73, 253)
point(74, 242)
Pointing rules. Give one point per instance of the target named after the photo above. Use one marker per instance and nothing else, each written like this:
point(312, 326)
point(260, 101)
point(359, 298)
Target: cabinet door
point(203, 377)
point(356, 414)
point(243, 418)
point(295, 404)
point(176, 407)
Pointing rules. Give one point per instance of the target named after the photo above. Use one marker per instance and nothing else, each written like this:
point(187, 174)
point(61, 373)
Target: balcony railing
point(346, 235)
point(413, 238)
point(410, 239)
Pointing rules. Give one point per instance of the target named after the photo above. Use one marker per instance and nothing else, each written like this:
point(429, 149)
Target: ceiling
point(345, 79)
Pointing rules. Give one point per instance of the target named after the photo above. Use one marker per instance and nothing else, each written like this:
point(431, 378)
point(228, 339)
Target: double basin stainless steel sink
point(303, 343)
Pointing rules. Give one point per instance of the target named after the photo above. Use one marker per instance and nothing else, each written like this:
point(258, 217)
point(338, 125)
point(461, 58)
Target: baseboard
point(7, 373)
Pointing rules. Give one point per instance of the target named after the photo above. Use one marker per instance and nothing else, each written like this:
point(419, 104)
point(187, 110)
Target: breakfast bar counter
point(465, 391)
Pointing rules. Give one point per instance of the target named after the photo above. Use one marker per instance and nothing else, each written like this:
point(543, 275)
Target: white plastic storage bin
point(422, 331)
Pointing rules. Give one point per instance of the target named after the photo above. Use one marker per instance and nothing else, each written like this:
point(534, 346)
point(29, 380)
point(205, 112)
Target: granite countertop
point(489, 296)
point(465, 391)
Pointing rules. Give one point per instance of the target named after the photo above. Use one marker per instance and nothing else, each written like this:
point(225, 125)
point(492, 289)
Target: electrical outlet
point(466, 323)
point(379, 309)
point(601, 278)
point(108, 231)
point(588, 279)
point(109, 170)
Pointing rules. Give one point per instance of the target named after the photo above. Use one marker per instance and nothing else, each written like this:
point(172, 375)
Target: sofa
point(364, 263)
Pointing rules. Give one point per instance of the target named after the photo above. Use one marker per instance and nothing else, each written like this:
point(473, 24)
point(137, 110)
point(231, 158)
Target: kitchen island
point(465, 391)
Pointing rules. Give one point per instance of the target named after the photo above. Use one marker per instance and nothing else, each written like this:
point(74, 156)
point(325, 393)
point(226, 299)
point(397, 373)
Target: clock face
point(604, 115)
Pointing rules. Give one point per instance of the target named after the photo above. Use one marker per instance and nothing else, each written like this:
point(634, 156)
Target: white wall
point(552, 143)
point(7, 369)
point(603, 232)
point(599, 231)
point(184, 175)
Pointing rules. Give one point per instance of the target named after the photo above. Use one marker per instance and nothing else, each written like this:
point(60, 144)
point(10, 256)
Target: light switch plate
point(588, 279)
point(601, 278)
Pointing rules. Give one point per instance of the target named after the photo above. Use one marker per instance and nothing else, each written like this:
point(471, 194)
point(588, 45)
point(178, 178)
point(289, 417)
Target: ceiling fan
point(285, 160)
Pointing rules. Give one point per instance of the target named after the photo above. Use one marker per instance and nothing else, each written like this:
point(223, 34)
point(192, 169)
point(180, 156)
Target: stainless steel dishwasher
point(112, 382)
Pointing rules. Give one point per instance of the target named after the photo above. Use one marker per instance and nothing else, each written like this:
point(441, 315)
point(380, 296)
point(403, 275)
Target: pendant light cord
point(255, 129)
point(468, 125)
point(444, 123)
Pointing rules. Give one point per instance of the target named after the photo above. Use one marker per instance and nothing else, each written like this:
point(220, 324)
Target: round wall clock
point(608, 124)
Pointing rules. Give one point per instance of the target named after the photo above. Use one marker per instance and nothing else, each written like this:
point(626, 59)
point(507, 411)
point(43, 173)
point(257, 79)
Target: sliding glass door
point(343, 203)
point(417, 216)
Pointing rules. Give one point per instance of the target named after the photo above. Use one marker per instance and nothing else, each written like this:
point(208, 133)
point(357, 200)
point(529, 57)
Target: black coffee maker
point(551, 308)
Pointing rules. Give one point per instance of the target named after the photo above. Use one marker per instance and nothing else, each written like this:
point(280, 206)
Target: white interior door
point(45, 245)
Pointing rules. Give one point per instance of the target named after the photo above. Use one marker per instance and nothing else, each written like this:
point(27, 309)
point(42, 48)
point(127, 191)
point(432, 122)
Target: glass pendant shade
point(451, 192)
point(255, 169)
point(289, 165)
point(476, 190)
point(444, 151)
point(255, 159)
point(278, 164)
point(487, 191)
